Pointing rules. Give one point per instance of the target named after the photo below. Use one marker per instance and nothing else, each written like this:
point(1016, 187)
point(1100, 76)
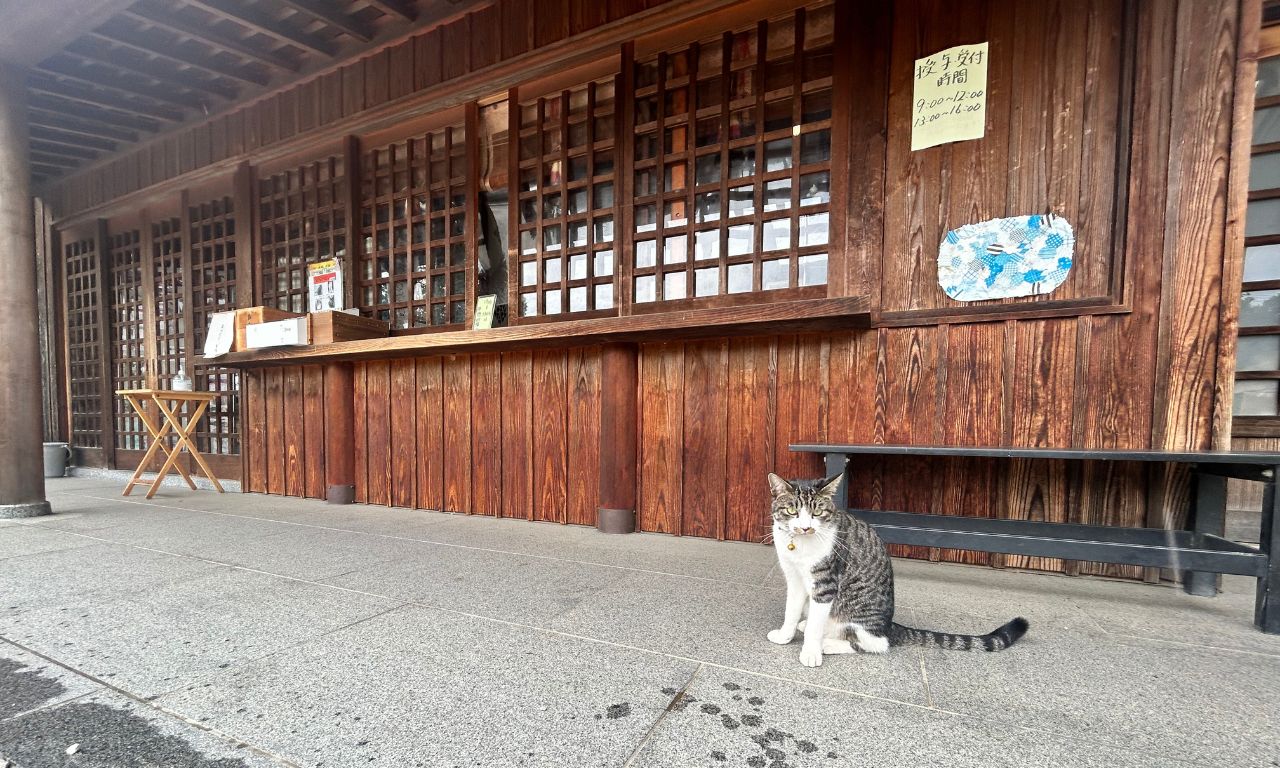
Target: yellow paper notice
point(950, 98)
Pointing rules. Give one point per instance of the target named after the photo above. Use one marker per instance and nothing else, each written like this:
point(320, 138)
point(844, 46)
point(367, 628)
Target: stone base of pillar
point(33, 509)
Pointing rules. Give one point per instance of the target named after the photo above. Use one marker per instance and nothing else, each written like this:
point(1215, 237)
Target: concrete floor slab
point(417, 687)
point(730, 719)
point(20, 540)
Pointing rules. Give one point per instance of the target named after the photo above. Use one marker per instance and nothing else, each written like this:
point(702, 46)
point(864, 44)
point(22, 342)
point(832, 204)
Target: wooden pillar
point(616, 512)
point(21, 417)
point(339, 433)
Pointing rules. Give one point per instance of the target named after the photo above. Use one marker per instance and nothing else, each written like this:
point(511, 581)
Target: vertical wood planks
point(661, 437)
point(360, 430)
point(275, 445)
point(457, 433)
point(705, 415)
point(430, 428)
point(257, 456)
point(404, 431)
point(750, 397)
point(550, 470)
point(582, 475)
point(517, 435)
point(295, 481)
point(378, 424)
point(486, 434)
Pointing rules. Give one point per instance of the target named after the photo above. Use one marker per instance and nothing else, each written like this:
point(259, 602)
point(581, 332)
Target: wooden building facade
point(709, 238)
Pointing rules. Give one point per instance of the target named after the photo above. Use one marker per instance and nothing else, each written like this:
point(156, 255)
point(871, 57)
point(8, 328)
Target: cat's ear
point(779, 486)
point(829, 486)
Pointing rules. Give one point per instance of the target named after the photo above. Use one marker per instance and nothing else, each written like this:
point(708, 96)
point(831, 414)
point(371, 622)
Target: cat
point(838, 569)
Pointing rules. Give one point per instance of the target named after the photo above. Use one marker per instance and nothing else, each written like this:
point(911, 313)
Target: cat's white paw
point(781, 636)
point(803, 623)
point(832, 646)
point(811, 657)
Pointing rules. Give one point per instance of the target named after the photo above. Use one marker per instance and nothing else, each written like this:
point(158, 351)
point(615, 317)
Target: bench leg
point(838, 463)
point(1208, 513)
point(1266, 609)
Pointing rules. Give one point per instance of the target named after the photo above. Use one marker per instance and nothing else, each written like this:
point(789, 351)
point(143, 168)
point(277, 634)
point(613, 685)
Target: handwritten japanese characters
point(950, 97)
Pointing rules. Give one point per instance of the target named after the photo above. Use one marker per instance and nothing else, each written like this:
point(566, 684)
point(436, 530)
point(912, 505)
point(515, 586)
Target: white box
point(280, 333)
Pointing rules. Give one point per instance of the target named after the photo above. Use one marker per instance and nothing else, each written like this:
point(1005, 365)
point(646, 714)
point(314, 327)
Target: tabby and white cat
point(838, 568)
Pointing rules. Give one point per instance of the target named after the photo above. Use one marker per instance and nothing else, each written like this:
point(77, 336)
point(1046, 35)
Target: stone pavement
point(208, 631)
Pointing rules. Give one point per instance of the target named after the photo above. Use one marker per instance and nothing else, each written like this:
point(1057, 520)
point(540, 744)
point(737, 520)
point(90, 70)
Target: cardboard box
point(281, 333)
point(253, 315)
point(329, 327)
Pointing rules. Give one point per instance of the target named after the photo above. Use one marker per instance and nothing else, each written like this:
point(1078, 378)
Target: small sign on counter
point(221, 334)
point(324, 285)
point(485, 306)
point(949, 102)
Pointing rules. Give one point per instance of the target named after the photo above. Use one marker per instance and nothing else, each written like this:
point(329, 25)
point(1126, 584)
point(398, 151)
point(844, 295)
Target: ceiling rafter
point(60, 105)
point(56, 161)
point(61, 150)
point(260, 22)
point(395, 7)
point(138, 41)
point(41, 171)
point(40, 83)
point(40, 118)
point(334, 17)
point(101, 79)
point(147, 67)
point(71, 139)
point(147, 14)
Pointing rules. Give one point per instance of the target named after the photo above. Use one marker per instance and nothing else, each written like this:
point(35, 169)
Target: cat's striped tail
point(996, 640)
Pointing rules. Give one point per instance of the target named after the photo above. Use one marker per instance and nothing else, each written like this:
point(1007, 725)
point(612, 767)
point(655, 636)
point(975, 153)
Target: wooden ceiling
point(155, 64)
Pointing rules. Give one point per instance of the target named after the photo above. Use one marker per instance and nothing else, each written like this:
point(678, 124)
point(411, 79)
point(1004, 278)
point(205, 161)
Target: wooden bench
point(1200, 552)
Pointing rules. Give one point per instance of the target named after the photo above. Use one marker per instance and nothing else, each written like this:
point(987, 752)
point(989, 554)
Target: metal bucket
point(56, 458)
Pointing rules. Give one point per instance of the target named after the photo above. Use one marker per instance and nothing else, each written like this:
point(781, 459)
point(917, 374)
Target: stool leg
point(1266, 608)
point(1209, 512)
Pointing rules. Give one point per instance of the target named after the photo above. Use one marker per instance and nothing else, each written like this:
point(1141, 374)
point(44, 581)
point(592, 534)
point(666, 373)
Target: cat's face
point(802, 508)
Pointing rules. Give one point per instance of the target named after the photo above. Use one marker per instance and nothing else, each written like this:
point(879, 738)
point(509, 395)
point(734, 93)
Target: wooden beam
point(51, 135)
point(61, 122)
point(38, 83)
point(138, 41)
point(331, 15)
point(98, 78)
point(260, 22)
point(62, 150)
point(157, 17)
point(54, 161)
point(396, 8)
point(135, 61)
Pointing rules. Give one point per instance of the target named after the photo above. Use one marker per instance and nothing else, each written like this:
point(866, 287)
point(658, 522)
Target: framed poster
point(324, 285)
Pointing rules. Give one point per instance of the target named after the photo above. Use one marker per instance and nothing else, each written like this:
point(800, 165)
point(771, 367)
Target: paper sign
point(950, 98)
point(324, 285)
point(484, 311)
point(222, 331)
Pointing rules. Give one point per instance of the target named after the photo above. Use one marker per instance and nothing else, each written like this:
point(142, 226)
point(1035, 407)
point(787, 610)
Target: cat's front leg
point(814, 632)
point(796, 598)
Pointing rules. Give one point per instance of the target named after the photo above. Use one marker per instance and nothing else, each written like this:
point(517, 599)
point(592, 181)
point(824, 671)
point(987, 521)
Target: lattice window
point(128, 333)
point(566, 202)
point(84, 354)
point(169, 270)
point(733, 162)
point(213, 289)
point(414, 222)
point(302, 219)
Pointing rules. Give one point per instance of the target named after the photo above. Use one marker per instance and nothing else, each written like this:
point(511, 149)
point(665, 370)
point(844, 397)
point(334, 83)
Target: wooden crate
point(329, 327)
point(253, 316)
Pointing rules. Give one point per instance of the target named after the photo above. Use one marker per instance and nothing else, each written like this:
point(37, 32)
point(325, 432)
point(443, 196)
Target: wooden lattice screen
point(128, 332)
point(733, 162)
point(84, 346)
point(213, 289)
point(169, 268)
point(414, 219)
point(302, 218)
point(566, 202)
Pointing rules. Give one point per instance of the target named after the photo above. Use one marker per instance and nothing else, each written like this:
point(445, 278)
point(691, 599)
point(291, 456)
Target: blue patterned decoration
point(1006, 258)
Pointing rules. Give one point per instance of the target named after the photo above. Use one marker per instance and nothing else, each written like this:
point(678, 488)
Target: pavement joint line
point(671, 705)
point(652, 572)
point(233, 740)
point(924, 678)
point(49, 705)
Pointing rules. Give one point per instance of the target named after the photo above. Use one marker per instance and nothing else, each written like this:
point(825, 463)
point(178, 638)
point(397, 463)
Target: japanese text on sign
point(950, 97)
